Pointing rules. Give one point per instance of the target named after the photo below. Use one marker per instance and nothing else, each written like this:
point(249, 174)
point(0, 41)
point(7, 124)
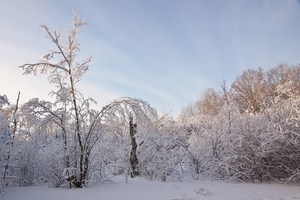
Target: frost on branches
point(249, 132)
point(73, 130)
point(246, 132)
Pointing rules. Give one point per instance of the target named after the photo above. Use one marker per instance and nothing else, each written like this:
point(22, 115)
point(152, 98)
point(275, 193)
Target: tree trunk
point(133, 157)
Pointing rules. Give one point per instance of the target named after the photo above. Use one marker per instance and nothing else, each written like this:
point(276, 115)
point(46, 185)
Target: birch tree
point(64, 71)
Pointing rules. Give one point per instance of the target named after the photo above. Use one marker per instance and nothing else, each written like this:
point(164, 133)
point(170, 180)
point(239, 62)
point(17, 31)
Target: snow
point(141, 189)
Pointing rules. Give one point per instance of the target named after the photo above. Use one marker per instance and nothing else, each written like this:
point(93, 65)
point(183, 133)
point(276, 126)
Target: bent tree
point(135, 118)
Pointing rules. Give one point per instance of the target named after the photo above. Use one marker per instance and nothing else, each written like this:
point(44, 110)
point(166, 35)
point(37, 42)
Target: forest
point(246, 131)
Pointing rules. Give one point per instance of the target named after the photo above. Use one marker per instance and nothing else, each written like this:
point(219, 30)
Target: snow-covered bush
point(26, 164)
point(52, 162)
point(161, 154)
point(8, 149)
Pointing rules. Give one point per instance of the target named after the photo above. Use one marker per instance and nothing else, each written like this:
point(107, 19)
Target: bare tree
point(210, 102)
point(249, 90)
point(228, 104)
point(274, 77)
point(65, 72)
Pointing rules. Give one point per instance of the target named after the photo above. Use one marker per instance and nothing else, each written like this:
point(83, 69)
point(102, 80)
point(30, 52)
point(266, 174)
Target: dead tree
point(133, 158)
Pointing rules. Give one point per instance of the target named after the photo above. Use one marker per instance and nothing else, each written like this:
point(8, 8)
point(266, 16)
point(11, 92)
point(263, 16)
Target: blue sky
point(166, 52)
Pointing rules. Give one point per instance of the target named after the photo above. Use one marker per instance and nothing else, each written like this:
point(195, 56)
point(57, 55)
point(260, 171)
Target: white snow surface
point(141, 189)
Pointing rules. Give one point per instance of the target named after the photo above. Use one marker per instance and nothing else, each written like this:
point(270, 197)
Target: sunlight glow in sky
point(166, 52)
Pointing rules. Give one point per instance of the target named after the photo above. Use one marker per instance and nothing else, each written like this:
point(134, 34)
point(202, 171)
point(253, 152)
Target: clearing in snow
point(141, 189)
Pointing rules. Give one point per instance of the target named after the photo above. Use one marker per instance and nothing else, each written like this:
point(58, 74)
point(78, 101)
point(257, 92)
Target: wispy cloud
point(166, 53)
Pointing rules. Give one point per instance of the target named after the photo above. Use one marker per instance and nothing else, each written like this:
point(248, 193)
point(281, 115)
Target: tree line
point(248, 131)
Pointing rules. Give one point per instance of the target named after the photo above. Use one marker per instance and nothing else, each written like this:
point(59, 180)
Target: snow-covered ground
point(140, 189)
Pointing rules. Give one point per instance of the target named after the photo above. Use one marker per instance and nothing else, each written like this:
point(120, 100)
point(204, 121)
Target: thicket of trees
point(63, 140)
point(248, 131)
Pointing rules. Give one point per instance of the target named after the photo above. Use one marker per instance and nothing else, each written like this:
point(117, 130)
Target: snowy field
point(140, 189)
